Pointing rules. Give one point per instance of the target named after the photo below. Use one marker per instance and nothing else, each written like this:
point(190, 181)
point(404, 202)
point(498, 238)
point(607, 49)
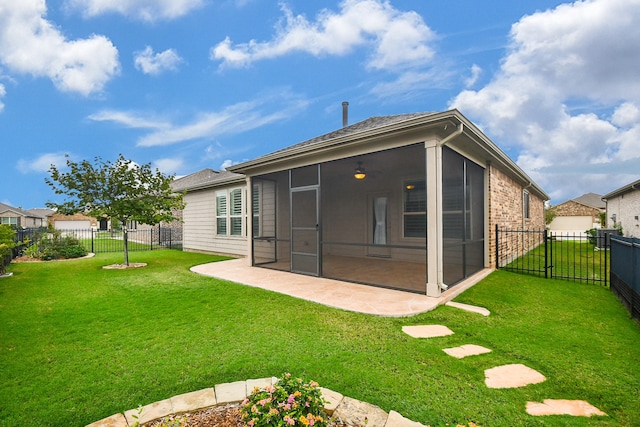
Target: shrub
point(289, 402)
point(53, 246)
point(6, 245)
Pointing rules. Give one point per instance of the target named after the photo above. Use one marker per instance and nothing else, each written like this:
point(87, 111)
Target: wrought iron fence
point(625, 272)
point(569, 256)
point(102, 241)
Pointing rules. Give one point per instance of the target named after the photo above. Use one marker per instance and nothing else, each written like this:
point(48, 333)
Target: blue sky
point(190, 84)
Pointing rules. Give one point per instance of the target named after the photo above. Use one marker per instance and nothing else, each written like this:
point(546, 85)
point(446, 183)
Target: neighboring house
point(78, 221)
point(623, 209)
point(21, 218)
point(409, 202)
point(576, 216)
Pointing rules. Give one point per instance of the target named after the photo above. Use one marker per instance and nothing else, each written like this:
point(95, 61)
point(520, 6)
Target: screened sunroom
point(377, 203)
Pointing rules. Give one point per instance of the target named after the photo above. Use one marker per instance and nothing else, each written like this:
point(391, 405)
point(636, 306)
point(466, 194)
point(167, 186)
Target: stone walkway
point(351, 411)
point(505, 376)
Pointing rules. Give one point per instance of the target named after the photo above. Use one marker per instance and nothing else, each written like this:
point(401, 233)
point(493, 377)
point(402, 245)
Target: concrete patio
point(334, 293)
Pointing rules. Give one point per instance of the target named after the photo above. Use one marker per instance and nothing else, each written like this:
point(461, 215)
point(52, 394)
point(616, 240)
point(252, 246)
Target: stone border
point(351, 411)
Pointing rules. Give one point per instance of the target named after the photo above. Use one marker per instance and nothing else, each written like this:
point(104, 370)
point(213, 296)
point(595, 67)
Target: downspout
point(452, 135)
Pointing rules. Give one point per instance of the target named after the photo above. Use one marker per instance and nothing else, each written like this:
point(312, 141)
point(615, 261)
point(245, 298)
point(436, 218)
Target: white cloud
point(476, 71)
point(146, 10)
point(29, 44)
point(235, 119)
point(3, 93)
point(155, 63)
point(226, 164)
point(559, 59)
point(128, 119)
point(398, 40)
point(169, 166)
point(42, 163)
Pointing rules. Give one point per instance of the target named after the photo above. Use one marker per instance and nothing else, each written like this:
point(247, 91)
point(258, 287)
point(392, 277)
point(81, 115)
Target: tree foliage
point(120, 190)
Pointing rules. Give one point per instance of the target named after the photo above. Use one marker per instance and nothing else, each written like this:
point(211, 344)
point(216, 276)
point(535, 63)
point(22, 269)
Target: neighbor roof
point(629, 187)
point(592, 200)
point(4, 208)
point(205, 178)
point(41, 212)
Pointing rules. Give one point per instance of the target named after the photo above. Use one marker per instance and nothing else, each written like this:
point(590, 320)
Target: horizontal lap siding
point(199, 227)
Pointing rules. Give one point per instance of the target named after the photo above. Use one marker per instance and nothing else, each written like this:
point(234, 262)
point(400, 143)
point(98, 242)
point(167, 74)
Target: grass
point(570, 259)
point(79, 343)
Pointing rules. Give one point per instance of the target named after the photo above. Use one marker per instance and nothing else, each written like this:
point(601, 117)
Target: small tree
point(122, 190)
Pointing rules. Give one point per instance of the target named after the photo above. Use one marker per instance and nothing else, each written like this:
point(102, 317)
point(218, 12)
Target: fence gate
point(569, 256)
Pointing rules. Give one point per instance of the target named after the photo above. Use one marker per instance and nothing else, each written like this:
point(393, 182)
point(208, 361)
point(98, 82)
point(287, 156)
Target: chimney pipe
point(345, 113)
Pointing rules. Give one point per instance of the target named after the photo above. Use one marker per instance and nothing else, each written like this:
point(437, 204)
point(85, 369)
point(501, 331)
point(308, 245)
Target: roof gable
point(592, 200)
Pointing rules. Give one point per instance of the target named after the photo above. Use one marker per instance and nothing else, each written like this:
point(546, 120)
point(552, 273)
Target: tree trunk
point(125, 241)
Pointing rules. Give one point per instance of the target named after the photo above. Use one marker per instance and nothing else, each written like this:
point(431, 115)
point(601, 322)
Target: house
point(623, 209)
point(576, 216)
point(214, 217)
point(21, 218)
point(409, 202)
point(77, 221)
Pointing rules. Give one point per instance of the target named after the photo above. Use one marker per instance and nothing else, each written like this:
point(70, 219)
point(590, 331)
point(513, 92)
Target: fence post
point(92, 248)
point(546, 254)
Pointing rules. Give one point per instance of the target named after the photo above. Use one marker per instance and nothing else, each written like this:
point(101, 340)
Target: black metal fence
point(625, 272)
point(102, 241)
point(569, 256)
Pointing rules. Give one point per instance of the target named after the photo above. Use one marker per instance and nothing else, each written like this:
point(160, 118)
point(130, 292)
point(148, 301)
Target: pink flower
point(289, 420)
point(291, 398)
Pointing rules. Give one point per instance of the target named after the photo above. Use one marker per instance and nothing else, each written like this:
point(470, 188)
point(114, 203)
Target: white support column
point(434, 217)
point(249, 220)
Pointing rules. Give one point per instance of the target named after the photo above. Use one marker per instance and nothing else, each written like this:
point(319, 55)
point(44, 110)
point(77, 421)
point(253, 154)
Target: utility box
point(603, 241)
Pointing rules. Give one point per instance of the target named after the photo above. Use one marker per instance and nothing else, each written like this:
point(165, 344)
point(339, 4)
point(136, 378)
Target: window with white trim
point(9, 220)
point(525, 204)
point(414, 209)
point(230, 215)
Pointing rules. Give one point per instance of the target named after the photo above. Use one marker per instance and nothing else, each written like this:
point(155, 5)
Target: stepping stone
point(427, 331)
point(577, 408)
point(356, 413)
point(466, 350)
point(512, 376)
point(471, 308)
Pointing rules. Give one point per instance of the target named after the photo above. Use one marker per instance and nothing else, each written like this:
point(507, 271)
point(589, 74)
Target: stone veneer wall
point(505, 209)
point(573, 208)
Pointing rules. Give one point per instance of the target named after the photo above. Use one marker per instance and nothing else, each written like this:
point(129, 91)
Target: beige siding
point(199, 230)
point(626, 208)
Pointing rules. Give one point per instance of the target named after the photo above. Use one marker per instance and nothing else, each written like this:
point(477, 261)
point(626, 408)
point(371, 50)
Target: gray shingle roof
point(204, 178)
point(591, 199)
point(371, 123)
point(5, 207)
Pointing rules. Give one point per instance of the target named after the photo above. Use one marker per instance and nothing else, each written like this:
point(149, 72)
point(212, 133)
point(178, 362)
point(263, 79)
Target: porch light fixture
point(410, 187)
point(360, 172)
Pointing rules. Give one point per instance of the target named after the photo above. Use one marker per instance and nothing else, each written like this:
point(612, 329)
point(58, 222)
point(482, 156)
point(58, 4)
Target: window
point(235, 212)
point(255, 209)
point(10, 220)
point(229, 212)
point(415, 209)
point(525, 204)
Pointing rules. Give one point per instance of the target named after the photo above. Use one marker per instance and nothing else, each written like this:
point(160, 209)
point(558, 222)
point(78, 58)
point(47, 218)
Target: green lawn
point(79, 343)
point(568, 258)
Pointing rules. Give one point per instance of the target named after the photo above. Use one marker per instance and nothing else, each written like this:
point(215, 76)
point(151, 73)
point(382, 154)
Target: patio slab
point(333, 293)
point(512, 376)
point(427, 331)
point(466, 350)
point(577, 408)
